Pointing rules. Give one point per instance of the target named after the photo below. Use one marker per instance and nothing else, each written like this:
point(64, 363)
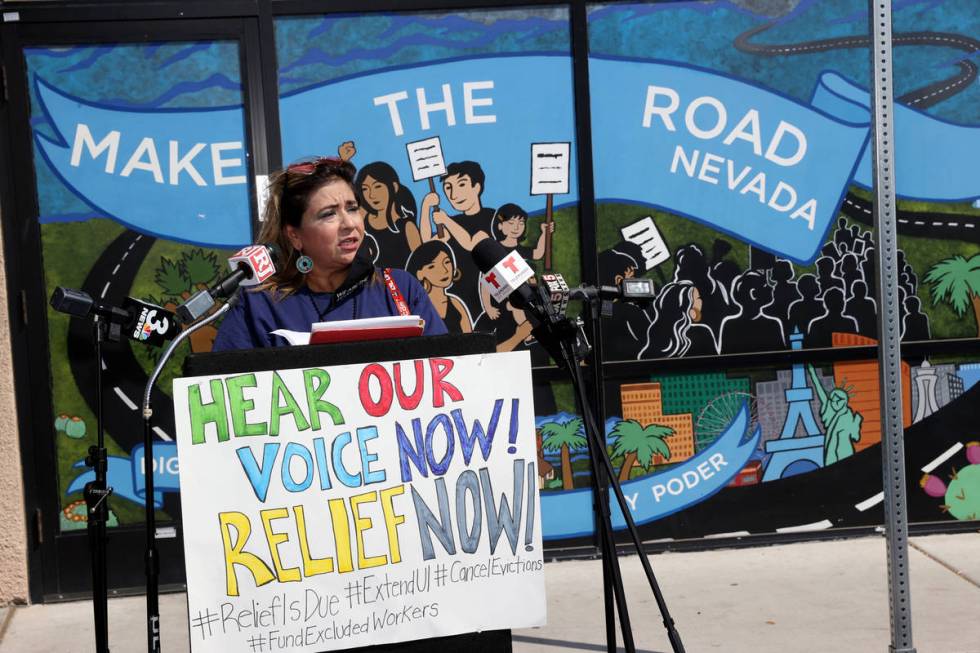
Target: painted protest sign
point(425, 158)
point(645, 234)
point(550, 168)
point(331, 508)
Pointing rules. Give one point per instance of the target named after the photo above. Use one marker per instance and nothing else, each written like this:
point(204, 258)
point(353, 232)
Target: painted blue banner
point(125, 475)
point(569, 514)
point(935, 159)
point(737, 157)
point(489, 110)
point(179, 174)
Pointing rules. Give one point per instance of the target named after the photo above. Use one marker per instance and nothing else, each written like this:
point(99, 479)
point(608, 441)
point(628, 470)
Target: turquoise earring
point(304, 264)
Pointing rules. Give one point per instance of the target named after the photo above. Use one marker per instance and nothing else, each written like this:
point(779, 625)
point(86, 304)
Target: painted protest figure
point(842, 426)
point(624, 334)
point(784, 292)
point(862, 309)
point(509, 225)
point(676, 329)
point(821, 330)
point(512, 329)
point(827, 276)
point(915, 324)
point(434, 265)
point(807, 308)
point(693, 266)
point(463, 187)
point(750, 329)
point(389, 213)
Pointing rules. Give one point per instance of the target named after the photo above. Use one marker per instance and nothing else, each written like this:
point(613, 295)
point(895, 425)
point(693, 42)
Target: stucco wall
point(13, 534)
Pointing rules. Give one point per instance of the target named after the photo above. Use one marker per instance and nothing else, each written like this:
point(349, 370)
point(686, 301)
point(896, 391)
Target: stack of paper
point(372, 328)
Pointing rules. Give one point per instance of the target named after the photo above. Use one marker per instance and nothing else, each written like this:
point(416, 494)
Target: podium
point(256, 360)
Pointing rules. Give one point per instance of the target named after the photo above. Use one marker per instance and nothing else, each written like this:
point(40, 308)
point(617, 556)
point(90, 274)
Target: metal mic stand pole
point(560, 334)
point(152, 559)
point(612, 579)
point(96, 495)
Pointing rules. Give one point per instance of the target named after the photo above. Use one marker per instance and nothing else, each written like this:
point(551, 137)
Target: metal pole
point(889, 328)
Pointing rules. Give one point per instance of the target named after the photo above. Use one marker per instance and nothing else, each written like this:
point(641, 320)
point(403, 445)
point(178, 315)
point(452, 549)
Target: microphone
point(139, 320)
point(250, 266)
point(506, 275)
point(557, 289)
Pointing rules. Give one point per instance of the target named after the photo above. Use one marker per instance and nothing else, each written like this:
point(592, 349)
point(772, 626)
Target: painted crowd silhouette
point(712, 306)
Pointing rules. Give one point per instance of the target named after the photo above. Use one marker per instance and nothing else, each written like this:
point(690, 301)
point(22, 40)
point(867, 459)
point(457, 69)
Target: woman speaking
point(312, 216)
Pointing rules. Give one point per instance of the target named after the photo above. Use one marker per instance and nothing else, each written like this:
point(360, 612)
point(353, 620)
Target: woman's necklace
point(323, 312)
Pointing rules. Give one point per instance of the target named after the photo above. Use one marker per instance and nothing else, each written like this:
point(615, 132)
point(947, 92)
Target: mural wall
point(142, 187)
point(732, 168)
point(731, 161)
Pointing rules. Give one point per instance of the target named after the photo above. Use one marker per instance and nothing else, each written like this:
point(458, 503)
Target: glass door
point(139, 163)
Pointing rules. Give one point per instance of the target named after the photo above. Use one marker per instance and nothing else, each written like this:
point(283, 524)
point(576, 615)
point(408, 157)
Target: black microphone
point(138, 320)
point(250, 266)
point(506, 274)
point(638, 290)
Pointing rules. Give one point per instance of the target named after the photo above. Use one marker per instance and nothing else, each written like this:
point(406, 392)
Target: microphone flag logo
point(509, 273)
point(258, 260)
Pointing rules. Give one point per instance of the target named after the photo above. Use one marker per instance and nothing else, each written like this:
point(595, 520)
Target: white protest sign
point(332, 508)
point(549, 168)
point(425, 158)
point(645, 234)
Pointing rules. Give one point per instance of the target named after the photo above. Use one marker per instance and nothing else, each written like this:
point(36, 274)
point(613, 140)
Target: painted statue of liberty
point(842, 426)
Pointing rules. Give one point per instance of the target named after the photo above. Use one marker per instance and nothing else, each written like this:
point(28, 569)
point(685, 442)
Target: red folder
point(384, 328)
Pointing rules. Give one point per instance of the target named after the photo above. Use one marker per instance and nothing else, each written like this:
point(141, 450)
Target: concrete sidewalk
point(820, 596)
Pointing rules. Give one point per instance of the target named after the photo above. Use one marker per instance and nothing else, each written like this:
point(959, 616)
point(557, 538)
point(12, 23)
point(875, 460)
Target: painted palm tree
point(564, 436)
point(956, 280)
point(637, 442)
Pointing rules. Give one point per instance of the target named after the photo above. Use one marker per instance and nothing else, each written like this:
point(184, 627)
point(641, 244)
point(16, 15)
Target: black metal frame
point(56, 561)
point(251, 23)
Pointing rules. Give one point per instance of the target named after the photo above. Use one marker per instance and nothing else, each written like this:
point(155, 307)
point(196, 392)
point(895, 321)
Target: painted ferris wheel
point(715, 418)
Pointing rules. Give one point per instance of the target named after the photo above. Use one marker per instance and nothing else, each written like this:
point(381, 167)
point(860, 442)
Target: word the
point(446, 105)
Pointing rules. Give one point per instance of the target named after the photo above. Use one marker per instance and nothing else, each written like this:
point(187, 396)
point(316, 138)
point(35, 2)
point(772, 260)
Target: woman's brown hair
point(289, 195)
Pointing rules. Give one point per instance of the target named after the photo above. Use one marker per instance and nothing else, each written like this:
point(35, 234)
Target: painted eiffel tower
point(788, 450)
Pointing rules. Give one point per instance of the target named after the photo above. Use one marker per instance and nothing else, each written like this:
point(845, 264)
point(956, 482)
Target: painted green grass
point(564, 244)
point(70, 250)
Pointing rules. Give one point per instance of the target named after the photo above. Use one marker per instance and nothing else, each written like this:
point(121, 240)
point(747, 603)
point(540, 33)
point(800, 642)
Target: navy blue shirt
point(250, 324)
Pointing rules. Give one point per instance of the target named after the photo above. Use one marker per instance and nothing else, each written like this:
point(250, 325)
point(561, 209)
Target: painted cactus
point(962, 495)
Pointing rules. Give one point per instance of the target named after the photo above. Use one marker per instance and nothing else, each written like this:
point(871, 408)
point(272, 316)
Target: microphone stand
point(152, 559)
point(561, 337)
point(97, 493)
point(107, 324)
